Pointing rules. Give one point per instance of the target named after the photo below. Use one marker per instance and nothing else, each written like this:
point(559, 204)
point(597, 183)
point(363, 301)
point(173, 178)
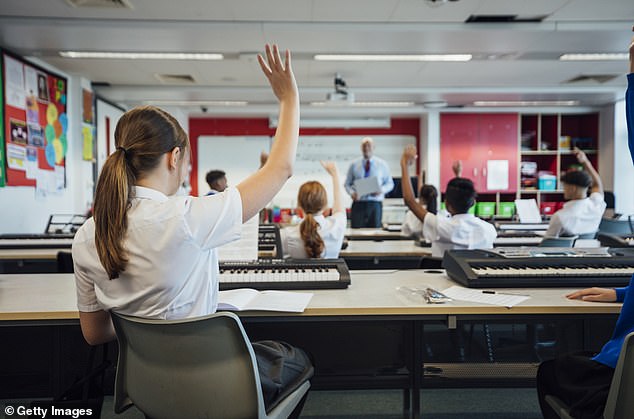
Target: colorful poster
point(35, 126)
point(88, 145)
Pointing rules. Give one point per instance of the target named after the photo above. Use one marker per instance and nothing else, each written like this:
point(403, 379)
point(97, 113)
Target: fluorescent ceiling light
point(196, 102)
point(526, 103)
point(594, 57)
point(339, 123)
point(364, 104)
point(392, 57)
point(142, 55)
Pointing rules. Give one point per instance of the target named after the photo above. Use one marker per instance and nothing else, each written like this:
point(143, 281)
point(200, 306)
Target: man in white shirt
point(367, 210)
point(459, 231)
point(582, 213)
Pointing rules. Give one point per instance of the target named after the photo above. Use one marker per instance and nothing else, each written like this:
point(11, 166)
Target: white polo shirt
point(331, 229)
point(411, 226)
point(578, 216)
point(171, 242)
point(460, 231)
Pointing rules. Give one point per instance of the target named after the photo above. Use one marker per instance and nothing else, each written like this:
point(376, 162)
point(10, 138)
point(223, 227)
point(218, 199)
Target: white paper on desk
point(367, 185)
point(477, 296)
point(527, 211)
point(250, 299)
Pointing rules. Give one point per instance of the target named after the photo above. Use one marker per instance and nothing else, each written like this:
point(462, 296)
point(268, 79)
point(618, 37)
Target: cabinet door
point(459, 141)
point(498, 142)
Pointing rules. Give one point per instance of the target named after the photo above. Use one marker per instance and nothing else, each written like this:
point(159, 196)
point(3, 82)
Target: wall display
point(35, 126)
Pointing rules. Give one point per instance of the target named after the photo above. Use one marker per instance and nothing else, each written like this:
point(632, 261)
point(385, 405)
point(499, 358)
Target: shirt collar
point(141, 192)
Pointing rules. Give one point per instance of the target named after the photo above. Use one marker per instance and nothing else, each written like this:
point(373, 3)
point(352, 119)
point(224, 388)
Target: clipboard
point(367, 185)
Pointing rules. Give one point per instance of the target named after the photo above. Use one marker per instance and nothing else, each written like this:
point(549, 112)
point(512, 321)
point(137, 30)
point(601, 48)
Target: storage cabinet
point(546, 143)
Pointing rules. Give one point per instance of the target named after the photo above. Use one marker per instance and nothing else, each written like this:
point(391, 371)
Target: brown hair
point(143, 135)
point(312, 199)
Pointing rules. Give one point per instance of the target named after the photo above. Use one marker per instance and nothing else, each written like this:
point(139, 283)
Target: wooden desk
point(391, 254)
point(29, 261)
point(338, 327)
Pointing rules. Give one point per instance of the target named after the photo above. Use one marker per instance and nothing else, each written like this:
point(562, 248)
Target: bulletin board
point(35, 125)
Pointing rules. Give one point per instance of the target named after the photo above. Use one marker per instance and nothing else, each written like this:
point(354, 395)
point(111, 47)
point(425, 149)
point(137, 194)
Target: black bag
point(84, 398)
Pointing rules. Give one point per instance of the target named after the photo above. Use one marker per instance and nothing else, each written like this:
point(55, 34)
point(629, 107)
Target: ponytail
point(143, 135)
point(429, 196)
point(112, 201)
point(313, 243)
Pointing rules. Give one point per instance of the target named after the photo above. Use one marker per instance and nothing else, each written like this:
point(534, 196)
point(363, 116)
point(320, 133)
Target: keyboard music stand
point(64, 223)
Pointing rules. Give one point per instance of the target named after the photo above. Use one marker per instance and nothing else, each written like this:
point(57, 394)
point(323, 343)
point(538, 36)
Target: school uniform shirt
point(212, 192)
point(412, 226)
point(378, 168)
point(460, 231)
point(172, 270)
point(331, 229)
point(578, 216)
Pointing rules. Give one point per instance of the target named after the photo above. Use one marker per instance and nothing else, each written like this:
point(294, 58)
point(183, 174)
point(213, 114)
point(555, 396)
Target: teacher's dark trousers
point(366, 214)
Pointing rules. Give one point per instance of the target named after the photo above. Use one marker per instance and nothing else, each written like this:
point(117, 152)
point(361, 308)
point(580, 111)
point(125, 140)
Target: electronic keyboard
point(540, 267)
point(35, 241)
point(285, 274)
point(616, 240)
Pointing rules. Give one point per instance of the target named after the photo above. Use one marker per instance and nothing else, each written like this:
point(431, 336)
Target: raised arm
point(457, 168)
point(409, 156)
point(337, 190)
point(629, 102)
point(597, 185)
point(258, 189)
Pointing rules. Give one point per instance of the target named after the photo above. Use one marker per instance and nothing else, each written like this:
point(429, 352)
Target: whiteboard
point(240, 156)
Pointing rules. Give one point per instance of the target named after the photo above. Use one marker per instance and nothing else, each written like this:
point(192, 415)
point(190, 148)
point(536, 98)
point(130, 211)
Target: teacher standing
point(367, 210)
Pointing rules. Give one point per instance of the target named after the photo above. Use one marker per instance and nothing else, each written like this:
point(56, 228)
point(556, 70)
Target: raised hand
point(606, 295)
point(580, 155)
point(279, 73)
point(330, 166)
point(457, 168)
point(632, 55)
point(409, 155)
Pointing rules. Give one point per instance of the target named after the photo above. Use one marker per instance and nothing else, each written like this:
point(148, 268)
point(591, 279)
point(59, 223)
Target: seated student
point(150, 254)
point(428, 198)
point(582, 381)
point(459, 231)
point(317, 236)
point(582, 213)
point(217, 181)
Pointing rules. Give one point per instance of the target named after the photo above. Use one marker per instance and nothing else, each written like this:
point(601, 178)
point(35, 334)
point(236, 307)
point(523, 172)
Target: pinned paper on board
point(497, 174)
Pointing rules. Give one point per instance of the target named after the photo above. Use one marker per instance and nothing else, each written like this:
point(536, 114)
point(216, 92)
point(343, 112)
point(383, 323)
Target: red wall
point(260, 126)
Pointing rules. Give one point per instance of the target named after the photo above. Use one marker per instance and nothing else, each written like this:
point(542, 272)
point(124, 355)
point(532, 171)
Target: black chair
point(65, 262)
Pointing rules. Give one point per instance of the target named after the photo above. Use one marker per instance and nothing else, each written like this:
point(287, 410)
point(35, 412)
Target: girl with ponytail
point(317, 236)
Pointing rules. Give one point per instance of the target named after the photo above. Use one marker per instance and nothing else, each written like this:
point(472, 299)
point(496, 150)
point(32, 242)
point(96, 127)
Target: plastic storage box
point(485, 209)
point(507, 209)
point(547, 182)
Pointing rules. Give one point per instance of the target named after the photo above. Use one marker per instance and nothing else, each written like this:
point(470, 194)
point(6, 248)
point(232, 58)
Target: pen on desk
point(503, 293)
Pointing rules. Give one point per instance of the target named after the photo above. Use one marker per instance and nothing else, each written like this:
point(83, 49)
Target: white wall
point(21, 211)
point(622, 168)
point(104, 111)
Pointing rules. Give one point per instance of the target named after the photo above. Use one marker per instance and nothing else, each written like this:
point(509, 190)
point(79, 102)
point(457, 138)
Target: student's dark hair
point(460, 195)
point(429, 196)
point(213, 176)
point(143, 135)
point(577, 178)
point(312, 199)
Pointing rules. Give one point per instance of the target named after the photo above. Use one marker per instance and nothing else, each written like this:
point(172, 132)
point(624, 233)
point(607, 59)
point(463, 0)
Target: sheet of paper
point(497, 175)
point(478, 296)
point(528, 211)
point(367, 185)
point(250, 299)
point(244, 249)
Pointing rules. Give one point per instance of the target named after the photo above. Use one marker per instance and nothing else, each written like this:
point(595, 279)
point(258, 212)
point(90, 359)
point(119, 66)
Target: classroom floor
point(481, 403)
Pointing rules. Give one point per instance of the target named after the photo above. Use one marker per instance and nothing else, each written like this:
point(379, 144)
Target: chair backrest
point(620, 403)
point(65, 262)
point(587, 236)
point(200, 367)
point(608, 225)
point(567, 241)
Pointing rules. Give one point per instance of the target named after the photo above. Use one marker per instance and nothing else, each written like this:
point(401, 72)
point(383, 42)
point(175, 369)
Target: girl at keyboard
point(317, 236)
point(150, 253)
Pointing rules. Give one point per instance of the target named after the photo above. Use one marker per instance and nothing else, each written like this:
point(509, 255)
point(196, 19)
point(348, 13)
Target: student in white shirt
point(459, 231)
point(317, 236)
point(428, 198)
point(217, 181)
point(582, 213)
point(150, 254)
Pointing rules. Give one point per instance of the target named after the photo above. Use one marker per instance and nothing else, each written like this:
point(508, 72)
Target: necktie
point(367, 168)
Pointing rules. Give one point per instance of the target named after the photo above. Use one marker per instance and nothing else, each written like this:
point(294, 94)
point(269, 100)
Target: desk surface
point(52, 297)
point(40, 254)
point(371, 248)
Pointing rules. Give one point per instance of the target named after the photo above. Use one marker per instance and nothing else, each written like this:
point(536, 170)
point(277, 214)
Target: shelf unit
point(547, 140)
